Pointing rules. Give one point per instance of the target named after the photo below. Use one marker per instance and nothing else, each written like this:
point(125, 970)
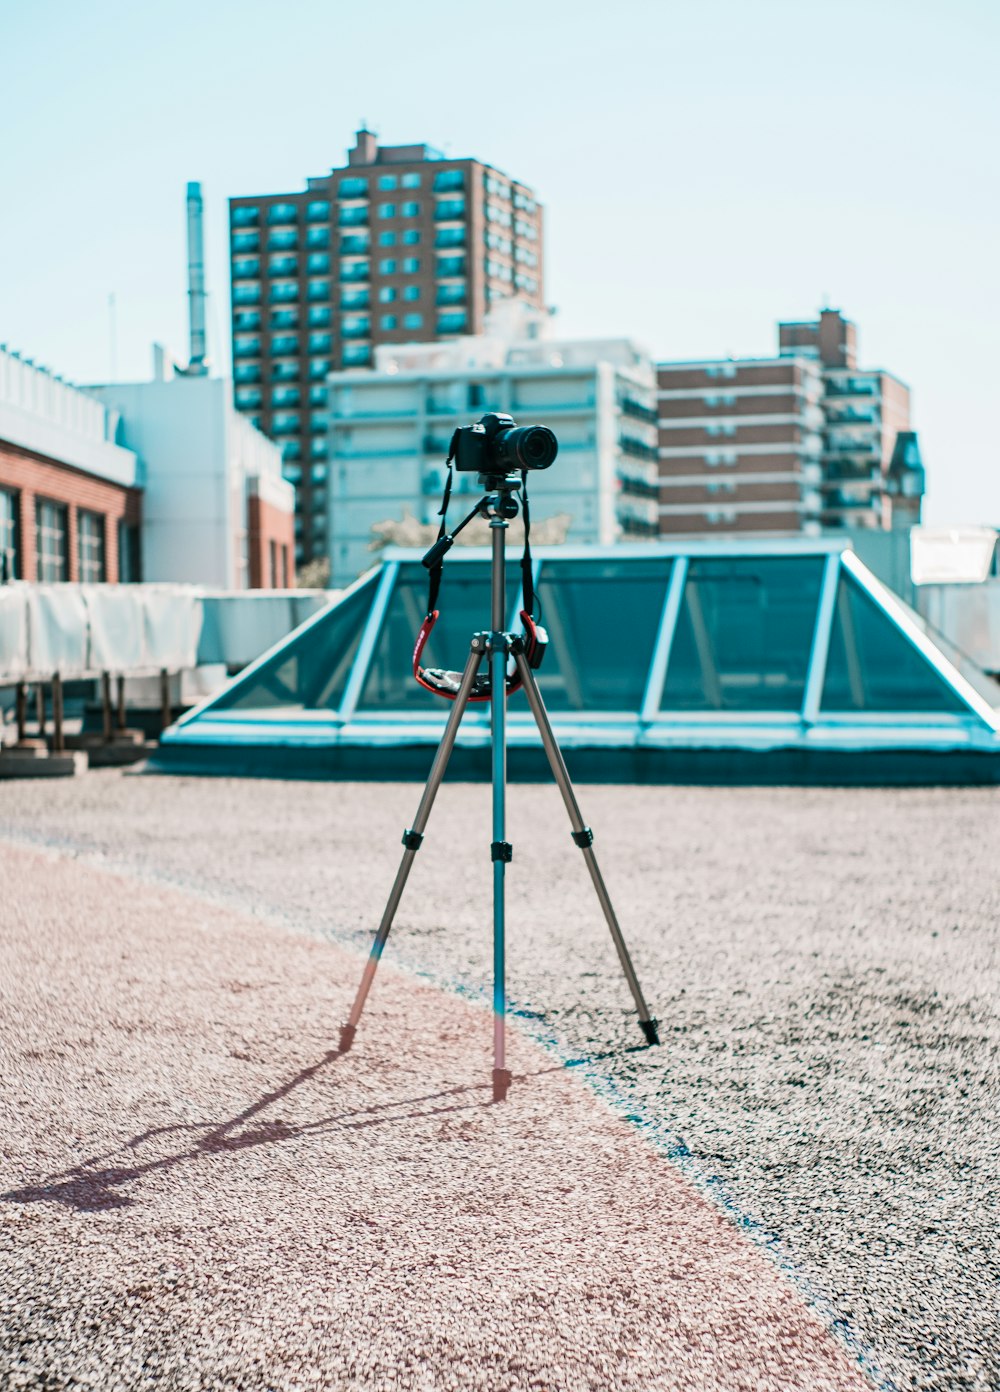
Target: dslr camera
point(497, 445)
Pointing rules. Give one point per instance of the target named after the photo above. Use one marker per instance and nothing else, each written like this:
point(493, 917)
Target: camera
point(497, 445)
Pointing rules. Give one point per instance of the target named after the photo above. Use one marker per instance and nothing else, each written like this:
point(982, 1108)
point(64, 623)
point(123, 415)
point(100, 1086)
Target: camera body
point(496, 445)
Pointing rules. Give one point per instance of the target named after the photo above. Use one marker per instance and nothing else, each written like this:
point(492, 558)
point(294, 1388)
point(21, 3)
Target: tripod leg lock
point(583, 838)
point(501, 850)
point(413, 840)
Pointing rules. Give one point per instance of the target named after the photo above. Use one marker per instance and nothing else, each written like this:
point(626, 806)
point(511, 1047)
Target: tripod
point(497, 647)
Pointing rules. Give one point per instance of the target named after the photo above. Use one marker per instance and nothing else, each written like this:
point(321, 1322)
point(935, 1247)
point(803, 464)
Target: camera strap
point(434, 581)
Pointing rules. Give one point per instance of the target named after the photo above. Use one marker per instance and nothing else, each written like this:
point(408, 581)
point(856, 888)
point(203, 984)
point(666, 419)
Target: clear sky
point(707, 168)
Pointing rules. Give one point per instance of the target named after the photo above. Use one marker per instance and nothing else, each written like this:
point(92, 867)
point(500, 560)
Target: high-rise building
point(400, 245)
point(806, 441)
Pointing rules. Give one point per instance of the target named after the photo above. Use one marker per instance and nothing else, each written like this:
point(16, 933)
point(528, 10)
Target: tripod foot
point(347, 1033)
point(501, 1082)
point(650, 1030)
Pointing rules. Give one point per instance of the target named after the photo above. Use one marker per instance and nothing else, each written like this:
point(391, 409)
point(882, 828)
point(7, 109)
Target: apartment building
point(390, 430)
point(740, 445)
point(804, 442)
point(400, 245)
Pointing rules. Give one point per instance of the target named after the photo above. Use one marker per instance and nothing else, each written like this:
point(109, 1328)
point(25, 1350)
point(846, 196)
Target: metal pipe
point(58, 740)
point(196, 281)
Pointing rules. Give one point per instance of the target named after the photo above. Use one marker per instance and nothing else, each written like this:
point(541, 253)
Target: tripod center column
point(500, 851)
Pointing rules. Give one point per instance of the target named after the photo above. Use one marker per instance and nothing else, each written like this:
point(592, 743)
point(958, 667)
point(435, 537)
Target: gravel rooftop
point(799, 1189)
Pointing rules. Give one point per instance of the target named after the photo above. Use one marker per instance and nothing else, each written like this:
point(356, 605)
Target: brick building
point(157, 480)
point(803, 442)
point(70, 504)
point(400, 245)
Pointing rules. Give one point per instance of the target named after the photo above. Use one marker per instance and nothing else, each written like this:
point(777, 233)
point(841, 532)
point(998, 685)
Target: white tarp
point(83, 630)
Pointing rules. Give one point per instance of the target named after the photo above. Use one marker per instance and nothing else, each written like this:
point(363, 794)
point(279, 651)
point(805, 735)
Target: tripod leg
point(584, 838)
point(413, 838)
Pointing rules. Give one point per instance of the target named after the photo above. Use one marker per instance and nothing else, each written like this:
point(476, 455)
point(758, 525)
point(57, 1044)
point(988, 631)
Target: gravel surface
point(823, 963)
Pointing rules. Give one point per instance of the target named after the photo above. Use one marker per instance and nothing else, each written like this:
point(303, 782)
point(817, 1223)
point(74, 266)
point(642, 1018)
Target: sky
point(706, 168)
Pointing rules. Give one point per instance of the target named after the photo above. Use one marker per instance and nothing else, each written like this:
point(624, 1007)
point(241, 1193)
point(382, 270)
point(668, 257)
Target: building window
point(449, 208)
point(318, 368)
point(286, 424)
point(318, 211)
point(10, 560)
point(452, 323)
point(291, 449)
point(284, 396)
point(448, 180)
point(388, 321)
point(410, 181)
point(355, 326)
point(387, 266)
point(413, 321)
point(355, 270)
point(283, 239)
point(319, 315)
point(284, 343)
point(282, 212)
point(90, 547)
point(246, 267)
point(411, 210)
point(449, 237)
point(246, 319)
point(355, 299)
point(317, 396)
point(318, 422)
point(411, 265)
point(282, 265)
point(318, 471)
point(357, 354)
point(451, 266)
point(284, 318)
point(247, 292)
point(52, 542)
point(317, 262)
point(245, 216)
point(411, 237)
point(411, 292)
point(246, 372)
point(247, 347)
point(285, 372)
point(387, 181)
point(451, 294)
point(353, 188)
point(318, 450)
point(248, 398)
point(356, 244)
point(129, 554)
point(317, 237)
point(284, 291)
point(356, 216)
point(387, 210)
point(387, 239)
point(387, 294)
point(320, 342)
point(319, 289)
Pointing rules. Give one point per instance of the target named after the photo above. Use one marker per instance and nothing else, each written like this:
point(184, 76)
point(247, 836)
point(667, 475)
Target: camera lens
point(526, 447)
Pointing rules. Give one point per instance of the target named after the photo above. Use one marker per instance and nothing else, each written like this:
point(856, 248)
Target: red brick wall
point(267, 524)
point(32, 476)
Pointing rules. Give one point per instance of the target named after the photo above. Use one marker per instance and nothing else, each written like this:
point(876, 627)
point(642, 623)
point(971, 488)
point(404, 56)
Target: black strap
point(527, 578)
point(434, 583)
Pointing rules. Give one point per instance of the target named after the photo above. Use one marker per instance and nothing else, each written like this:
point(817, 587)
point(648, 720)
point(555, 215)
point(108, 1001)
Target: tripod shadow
point(94, 1185)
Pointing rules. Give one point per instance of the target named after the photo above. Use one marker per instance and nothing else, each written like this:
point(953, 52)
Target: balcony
point(353, 217)
point(852, 386)
point(637, 449)
point(353, 271)
point(637, 410)
point(447, 209)
point(638, 487)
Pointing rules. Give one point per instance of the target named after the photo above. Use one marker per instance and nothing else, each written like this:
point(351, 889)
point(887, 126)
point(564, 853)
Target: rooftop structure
point(399, 244)
point(734, 661)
